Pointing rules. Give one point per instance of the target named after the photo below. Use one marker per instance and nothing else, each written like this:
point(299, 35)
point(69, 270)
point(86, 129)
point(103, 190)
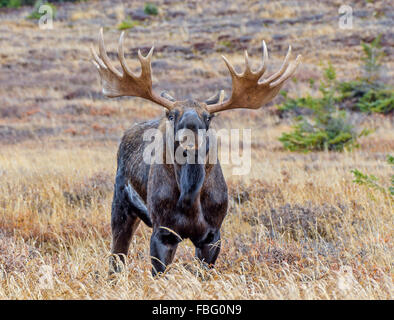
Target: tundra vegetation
point(302, 225)
point(326, 124)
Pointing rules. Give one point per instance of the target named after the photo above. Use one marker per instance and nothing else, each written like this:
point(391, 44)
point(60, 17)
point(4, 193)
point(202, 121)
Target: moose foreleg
point(209, 249)
point(163, 245)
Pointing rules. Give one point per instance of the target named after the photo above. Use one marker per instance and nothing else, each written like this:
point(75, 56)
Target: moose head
point(179, 200)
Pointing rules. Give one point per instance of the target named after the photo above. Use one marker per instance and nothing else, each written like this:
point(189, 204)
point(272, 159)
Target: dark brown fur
point(159, 186)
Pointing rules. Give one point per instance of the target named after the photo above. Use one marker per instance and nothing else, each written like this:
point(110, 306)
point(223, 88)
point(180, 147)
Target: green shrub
point(226, 43)
point(368, 94)
point(324, 127)
point(372, 182)
point(127, 24)
point(18, 3)
point(390, 160)
point(151, 9)
point(381, 101)
point(10, 3)
point(36, 15)
point(335, 134)
point(367, 97)
point(372, 59)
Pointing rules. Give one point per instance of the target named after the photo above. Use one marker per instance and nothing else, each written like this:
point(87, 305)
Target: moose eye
point(171, 117)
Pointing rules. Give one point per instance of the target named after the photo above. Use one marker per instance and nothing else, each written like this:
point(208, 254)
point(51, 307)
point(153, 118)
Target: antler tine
point(221, 96)
point(247, 71)
point(282, 69)
point(265, 60)
point(230, 67)
point(122, 58)
point(289, 72)
point(117, 84)
point(247, 91)
point(146, 62)
point(104, 56)
point(96, 60)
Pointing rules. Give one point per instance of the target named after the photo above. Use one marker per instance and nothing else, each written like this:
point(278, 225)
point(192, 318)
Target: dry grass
point(297, 227)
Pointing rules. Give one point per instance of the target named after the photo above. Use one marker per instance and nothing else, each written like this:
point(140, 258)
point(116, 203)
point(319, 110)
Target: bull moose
point(178, 200)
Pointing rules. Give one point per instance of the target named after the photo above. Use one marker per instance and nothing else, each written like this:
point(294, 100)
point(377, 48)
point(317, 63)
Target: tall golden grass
point(297, 228)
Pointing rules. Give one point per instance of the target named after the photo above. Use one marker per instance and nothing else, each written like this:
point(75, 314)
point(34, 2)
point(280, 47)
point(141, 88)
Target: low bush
point(10, 3)
point(368, 94)
point(151, 9)
point(372, 182)
point(323, 126)
point(18, 3)
point(128, 24)
point(37, 13)
point(366, 97)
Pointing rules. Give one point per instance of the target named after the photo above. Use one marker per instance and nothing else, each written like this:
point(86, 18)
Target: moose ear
point(217, 98)
point(167, 96)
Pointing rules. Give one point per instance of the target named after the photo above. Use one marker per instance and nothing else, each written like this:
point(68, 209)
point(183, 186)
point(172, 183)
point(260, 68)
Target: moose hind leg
point(123, 228)
point(163, 245)
point(209, 249)
point(123, 224)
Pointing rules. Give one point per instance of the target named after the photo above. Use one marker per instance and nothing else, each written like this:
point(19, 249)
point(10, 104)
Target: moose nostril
point(185, 153)
point(191, 126)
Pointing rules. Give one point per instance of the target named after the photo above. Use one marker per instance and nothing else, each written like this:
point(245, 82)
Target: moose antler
point(117, 84)
point(247, 91)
